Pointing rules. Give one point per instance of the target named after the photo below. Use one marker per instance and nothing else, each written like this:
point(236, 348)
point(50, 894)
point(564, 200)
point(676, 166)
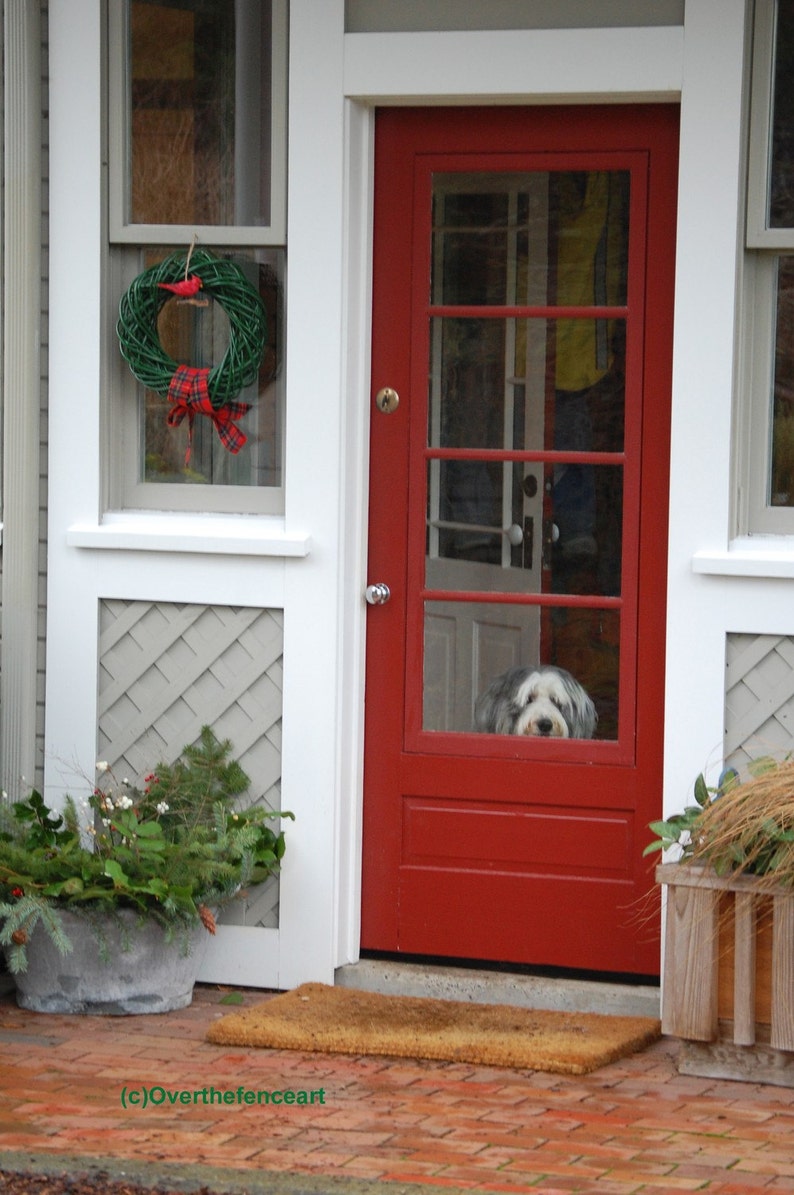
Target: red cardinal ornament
point(188, 286)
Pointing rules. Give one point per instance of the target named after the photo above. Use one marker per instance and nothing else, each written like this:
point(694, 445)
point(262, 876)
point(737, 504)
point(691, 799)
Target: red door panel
point(523, 282)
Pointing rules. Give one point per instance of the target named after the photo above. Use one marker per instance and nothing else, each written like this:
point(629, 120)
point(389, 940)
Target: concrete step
point(470, 985)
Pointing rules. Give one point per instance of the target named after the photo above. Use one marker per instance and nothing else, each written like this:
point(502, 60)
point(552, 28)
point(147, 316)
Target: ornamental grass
point(749, 827)
point(742, 827)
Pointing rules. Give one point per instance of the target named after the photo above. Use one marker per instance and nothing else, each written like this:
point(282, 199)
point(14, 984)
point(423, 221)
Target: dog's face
point(543, 702)
point(544, 706)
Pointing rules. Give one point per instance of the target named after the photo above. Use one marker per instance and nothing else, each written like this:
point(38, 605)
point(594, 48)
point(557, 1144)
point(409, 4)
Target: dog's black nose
point(545, 726)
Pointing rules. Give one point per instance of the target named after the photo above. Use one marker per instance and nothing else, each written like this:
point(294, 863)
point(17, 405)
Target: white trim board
point(516, 66)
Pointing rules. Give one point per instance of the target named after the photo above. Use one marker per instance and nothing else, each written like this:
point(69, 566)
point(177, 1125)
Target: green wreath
point(184, 274)
point(192, 390)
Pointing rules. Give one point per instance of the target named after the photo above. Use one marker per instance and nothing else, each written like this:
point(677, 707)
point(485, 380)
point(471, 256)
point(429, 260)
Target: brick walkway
point(633, 1126)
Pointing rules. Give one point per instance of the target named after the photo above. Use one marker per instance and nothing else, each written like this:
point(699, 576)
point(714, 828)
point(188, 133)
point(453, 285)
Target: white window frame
point(123, 487)
point(755, 514)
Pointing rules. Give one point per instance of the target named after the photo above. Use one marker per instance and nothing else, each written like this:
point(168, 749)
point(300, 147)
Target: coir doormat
point(336, 1020)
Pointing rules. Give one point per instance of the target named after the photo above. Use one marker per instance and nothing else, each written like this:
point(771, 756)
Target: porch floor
point(636, 1125)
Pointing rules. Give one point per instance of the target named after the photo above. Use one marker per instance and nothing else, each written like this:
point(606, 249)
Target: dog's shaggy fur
point(545, 701)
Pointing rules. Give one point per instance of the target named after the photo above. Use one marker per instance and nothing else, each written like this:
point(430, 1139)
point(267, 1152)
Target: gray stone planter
point(151, 975)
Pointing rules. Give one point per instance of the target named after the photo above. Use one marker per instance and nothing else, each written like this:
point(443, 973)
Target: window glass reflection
point(782, 473)
point(558, 237)
point(781, 181)
point(200, 111)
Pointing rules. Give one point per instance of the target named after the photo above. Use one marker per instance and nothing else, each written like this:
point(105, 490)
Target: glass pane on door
point(477, 511)
point(556, 236)
point(526, 443)
point(489, 383)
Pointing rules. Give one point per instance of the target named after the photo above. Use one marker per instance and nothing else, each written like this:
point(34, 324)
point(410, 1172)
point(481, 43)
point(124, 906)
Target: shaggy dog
point(544, 701)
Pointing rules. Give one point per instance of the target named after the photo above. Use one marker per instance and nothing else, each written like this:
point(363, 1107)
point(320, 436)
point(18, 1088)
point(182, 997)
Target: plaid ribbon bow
point(189, 395)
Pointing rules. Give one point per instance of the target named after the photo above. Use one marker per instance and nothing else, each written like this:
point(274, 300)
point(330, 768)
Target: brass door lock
point(387, 400)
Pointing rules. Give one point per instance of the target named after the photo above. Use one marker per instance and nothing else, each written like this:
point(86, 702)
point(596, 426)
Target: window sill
point(237, 535)
point(750, 556)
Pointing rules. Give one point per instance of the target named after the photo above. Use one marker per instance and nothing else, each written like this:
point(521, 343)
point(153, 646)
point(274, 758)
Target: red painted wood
point(514, 850)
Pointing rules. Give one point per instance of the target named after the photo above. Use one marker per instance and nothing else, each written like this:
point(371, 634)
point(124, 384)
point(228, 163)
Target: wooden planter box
point(728, 980)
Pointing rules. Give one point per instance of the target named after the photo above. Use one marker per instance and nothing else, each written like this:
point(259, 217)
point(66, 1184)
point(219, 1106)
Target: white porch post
point(21, 389)
point(700, 609)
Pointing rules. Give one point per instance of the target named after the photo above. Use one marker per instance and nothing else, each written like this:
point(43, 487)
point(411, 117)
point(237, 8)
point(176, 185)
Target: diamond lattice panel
point(167, 669)
point(759, 696)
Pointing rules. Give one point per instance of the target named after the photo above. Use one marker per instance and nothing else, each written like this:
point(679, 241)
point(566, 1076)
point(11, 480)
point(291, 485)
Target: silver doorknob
point(377, 594)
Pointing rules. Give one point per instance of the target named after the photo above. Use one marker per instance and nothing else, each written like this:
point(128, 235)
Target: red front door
point(523, 288)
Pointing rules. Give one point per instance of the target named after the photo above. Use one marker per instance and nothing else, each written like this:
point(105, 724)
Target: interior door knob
point(377, 594)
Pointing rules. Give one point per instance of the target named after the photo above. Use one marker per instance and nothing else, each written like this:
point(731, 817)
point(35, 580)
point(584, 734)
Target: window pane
point(781, 183)
point(470, 645)
point(556, 238)
point(199, 103)
point(524, 527)
point(782, 478)
point(198, 336)
point(527, 384)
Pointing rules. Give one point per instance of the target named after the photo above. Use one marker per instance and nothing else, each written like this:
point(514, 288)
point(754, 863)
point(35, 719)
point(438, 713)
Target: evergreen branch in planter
point(172, 850)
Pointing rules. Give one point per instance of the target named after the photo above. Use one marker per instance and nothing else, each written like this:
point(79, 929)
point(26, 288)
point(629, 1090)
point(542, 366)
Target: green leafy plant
point(739, 826)
point(681, 829)
point(175, 849)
